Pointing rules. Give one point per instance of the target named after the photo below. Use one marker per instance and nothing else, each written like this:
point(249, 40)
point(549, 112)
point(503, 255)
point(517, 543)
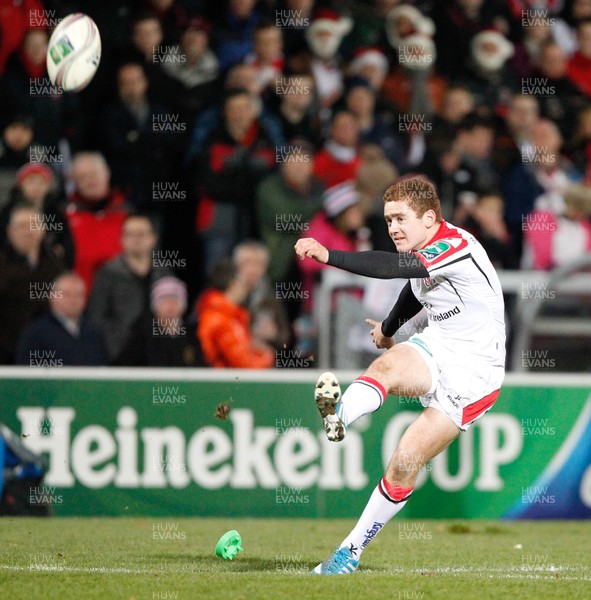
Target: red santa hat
point(327, 20)
point(418, 23)
point(364, 57)
point(416, 52)
point(487, 59)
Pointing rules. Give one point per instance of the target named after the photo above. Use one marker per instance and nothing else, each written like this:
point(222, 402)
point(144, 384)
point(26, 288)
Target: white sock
point(365, 395)
point(385, 502)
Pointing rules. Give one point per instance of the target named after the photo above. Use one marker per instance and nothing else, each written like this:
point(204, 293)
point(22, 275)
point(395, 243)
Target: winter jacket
point(323, 231)
point(24, 294)
point(283, 215)
point(46, 343)
point(96, 230)
point(118, 298)
point(223, 330)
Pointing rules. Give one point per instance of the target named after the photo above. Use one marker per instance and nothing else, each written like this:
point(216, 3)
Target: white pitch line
point(541, 573)
point(63, 568)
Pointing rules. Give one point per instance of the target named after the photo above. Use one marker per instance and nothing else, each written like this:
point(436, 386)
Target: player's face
point(407, 230)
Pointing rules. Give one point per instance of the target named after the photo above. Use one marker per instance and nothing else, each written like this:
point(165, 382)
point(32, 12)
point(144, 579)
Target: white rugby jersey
point(462, 295)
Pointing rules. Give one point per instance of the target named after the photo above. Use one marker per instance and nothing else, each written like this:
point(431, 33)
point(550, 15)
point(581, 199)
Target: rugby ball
point(74, 52)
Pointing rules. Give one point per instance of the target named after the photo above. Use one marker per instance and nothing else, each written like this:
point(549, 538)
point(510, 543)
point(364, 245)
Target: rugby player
point(455, 366)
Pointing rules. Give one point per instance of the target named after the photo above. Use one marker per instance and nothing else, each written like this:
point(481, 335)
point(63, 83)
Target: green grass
point(67, 558)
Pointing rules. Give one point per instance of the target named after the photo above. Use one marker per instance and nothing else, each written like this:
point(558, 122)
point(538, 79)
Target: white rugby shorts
point(461, 387)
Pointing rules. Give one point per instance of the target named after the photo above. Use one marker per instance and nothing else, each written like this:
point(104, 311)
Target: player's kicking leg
point(401, 371)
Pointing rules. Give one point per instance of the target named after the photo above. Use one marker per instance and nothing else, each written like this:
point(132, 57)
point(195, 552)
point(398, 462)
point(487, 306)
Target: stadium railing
point(527, 293)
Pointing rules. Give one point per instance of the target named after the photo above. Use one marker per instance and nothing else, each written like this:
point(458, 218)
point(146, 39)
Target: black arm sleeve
point(378, 264)
point(406, 307)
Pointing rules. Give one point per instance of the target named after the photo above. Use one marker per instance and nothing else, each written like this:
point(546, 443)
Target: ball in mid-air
point(74, 52)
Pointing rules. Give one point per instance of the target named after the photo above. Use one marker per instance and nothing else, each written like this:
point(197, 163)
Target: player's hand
point(312, 249)
point(379, 339)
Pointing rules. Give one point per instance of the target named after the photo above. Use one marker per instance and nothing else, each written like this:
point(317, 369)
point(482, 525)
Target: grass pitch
point(169, 558)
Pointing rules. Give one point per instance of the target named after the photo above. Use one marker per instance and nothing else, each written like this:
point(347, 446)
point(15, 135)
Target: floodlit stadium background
point(226, 126)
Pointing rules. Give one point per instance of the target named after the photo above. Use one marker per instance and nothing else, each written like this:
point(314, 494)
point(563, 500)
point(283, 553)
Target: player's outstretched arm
point(378, 264)
point(375, 263)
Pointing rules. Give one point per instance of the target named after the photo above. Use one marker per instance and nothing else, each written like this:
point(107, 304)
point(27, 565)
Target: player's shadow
point(206, 563)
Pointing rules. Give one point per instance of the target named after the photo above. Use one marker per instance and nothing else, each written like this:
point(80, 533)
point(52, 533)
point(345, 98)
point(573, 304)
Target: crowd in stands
point(149, 220)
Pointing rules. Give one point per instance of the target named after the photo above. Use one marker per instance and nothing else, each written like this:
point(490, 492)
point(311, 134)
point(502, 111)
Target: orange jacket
point(223, 331)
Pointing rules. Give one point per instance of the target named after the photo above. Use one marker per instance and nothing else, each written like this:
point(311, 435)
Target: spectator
point(486, 223)
point(240, 77)
point(528, 52)
point(324, 36)
point(368, 28)
point(413, 86)
point(374, 176)
point(487, 76)
point(15, 146)
point(27, 269)
point(474, 143)
point(233, 36)
point(372, 65)
point(440, 165)
point(64, 335)
point(560, 100)
point(553, 170)
point(294, 38)
point(199, 71)
point(462, 169)
point(579, 65)
point(95, 215)
point(27, 88)
point(172, 14)
point(298, 111)
point(138, 138)
point(539, 181)
point(339, 160)
point(286, 201)
point(457, 102)
point(376, 129)
point(565, 29)
point(404, 20)
point(162, 337)
point(269, 317)
point(15, 22)
point(239, 154)
point(149, 48)
point(122, 286)
point(223, 325)
point(580, 145)
point(560, 239)
point(338, 227)
point(267, 54)
point(513, 141)
point(458, 21)
point(33, 188)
